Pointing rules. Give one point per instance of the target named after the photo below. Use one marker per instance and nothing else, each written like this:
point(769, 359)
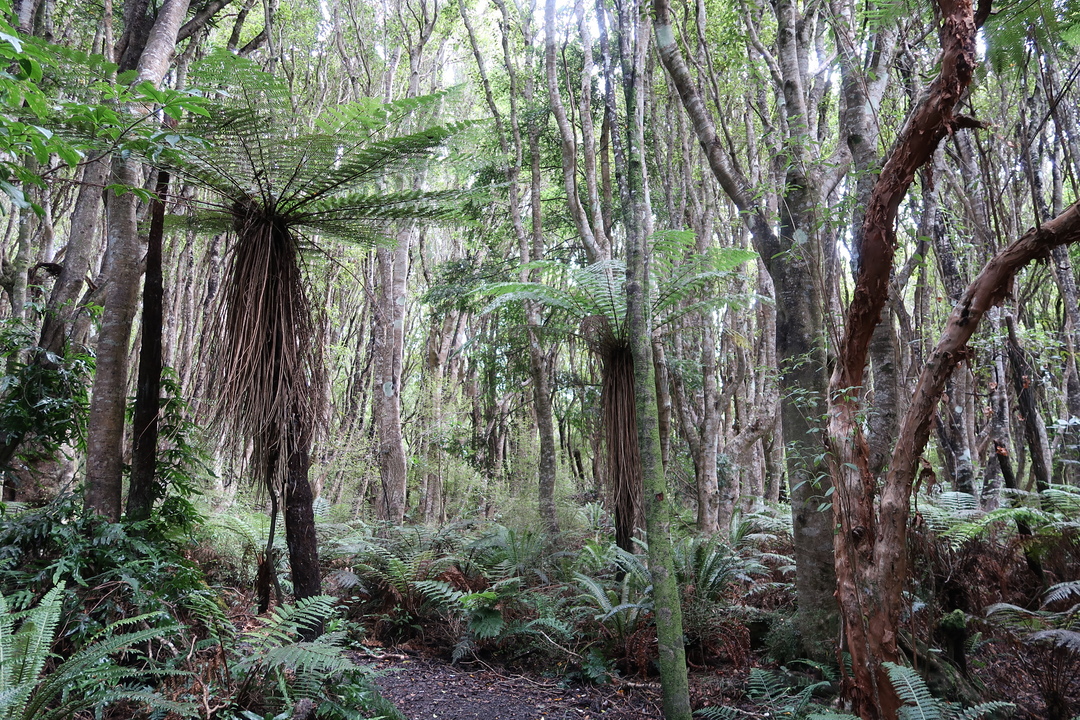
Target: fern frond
point(25, 651)
point(1066, 639)
point(441, 593)
point(513, 292)
point(316, 657)
point(765, 685)
point(912, 689)
point(632, 564)
point(1061, 592)
point(1063, 499)
point(721, 713)
point(996, 709)
point(288, 621)
point(595, 592)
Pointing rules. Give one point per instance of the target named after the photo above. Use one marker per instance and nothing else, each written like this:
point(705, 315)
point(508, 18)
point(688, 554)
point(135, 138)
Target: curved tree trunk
point(871, 550)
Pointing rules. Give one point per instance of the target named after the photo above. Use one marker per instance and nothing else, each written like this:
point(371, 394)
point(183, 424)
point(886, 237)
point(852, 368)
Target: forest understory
point(482, 358)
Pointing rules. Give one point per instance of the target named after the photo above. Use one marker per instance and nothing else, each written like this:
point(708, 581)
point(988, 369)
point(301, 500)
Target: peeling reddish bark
point(884, 562)
point(869, 550)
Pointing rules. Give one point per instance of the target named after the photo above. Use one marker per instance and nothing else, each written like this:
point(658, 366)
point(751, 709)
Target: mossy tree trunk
point(632, 23)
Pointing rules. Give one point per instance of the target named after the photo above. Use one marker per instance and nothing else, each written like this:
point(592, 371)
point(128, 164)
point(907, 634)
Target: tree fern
point(281, 188)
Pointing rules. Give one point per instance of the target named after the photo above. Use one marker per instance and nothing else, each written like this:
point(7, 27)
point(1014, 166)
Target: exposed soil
point(429, 688)
point(424, 689)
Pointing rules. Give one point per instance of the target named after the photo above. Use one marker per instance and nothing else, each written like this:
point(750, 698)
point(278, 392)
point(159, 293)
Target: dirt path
point(431, 690)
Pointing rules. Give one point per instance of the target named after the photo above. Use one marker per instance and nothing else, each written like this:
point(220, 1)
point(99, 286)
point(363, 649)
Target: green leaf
point(13, 41)
point(18, 197)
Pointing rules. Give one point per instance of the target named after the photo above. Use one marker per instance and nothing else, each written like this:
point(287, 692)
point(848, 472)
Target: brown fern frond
point(267, 371)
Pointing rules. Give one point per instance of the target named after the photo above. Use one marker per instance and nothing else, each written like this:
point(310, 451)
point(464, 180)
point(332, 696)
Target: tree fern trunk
point(142, 491)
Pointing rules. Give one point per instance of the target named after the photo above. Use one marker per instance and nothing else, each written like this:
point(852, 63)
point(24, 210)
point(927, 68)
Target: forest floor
point(432, 689)
point(425, 688)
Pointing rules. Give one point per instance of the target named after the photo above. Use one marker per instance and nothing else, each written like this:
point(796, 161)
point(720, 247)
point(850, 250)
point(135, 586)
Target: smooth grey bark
point(105, 429)
point(105, 434)
point(389, 319)
point(81, 246)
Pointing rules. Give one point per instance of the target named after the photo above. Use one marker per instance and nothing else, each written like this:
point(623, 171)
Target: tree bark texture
point(869, 558)
point(105, 428)
point(389, 349)
point(105, 436)
point(143, 491)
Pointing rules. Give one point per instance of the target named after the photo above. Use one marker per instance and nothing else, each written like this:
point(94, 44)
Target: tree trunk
point(1025, 382)
point(300, 526)
point(637, 213)
point(799, 322)
point(143, 490)
point(623, 454)
point(105, 433)
point(389, 349)
point(545, 427)
point(871, 552)
point(105, 436)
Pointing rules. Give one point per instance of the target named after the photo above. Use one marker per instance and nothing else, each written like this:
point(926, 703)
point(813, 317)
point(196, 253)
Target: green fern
point(721, 713)
point(275, 661)
point(596, 290)
point(920, 704)
point(710, 567)
point(773, 691)
point(1064, 499)
point(325, 182)
point(86, 680)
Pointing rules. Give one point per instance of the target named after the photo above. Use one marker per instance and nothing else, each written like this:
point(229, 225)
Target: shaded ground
point(432, 690)
point(425, 688)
